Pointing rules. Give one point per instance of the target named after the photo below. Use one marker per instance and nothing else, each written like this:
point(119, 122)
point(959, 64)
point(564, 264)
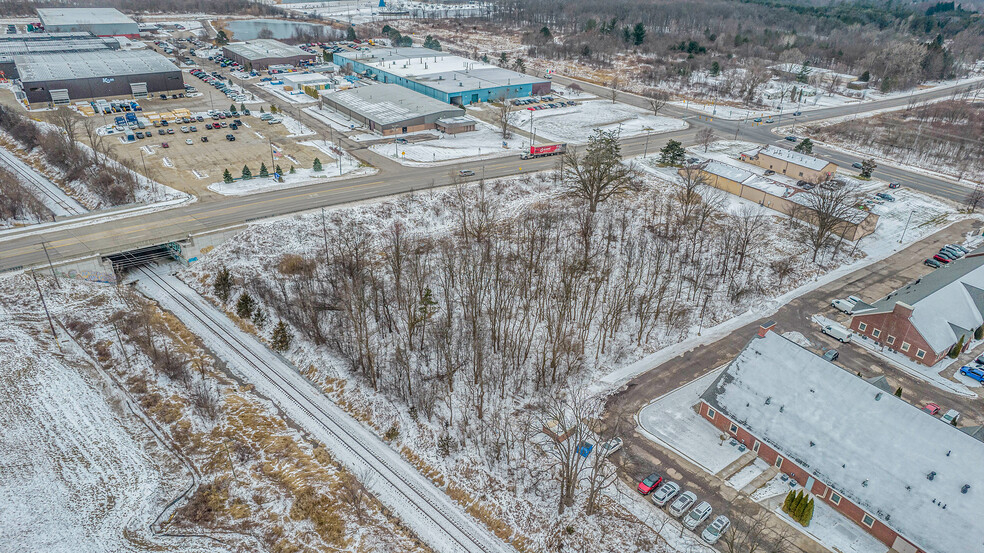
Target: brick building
point(927, 317)
point(907, 478)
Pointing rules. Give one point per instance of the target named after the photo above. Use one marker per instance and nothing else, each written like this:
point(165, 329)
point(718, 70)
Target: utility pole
point(44, 304)
point(50, 266)
point(906, 227)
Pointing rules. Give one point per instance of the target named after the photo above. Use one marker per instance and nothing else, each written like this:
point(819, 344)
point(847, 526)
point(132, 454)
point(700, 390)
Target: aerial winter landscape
point(490, 277)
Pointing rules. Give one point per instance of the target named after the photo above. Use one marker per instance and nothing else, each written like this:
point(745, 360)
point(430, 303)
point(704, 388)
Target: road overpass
point(104, 235)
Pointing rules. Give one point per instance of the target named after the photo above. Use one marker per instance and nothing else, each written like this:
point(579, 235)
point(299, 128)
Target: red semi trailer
point(544, 150)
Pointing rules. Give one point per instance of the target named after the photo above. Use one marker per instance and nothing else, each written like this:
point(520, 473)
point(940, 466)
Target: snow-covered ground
point(75, 473)
point(835, 532)
point(293, 126)
point(357, 12)
point(671, 421)
point(673, 533)
point(293, 96)
point(336, 120)
point(484, 142)
point(415, 499)
point(774, 487)
point(334, 167)
point(746, 475)
point(574, 124)
point(53, 197)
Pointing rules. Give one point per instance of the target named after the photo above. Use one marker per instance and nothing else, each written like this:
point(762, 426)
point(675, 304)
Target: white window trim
point(890, 340)
point(835, 494)
point(733, 429)
point(920, 353)
point(711, 413)
point(905, 346)
point(756, 447)
point(876, 332)
point(778, 462)
point(862, 326)
point(867, 516)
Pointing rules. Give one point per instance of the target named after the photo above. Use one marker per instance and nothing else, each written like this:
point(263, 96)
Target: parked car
point(193, 128)
point(857, 165)
point(959, 247)
point(757, 119)
point(184, 129)
point(650, 483)
point(941, 259)
point(189, 141)
point(831, 355)
point(715, 529)
point(204, 139)
point(951, 417)
point(611, 446)
point(895, 185)
point(165, 145)
point(682, 503)
point(885, 196)
point(791, 138)
point(948, 255)
point(932, 409)
point(932, 263)
point(665, 493)
point(769, 172)
point(697, 515)
point(837, 332)
point(231, 137)
point(466, 173)
point(953, 251)
point(161, 132)
point(976, 373)
point(843, 306)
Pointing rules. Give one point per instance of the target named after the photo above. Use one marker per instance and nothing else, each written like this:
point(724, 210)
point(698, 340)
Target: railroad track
point(460, 532)
point(38, 182)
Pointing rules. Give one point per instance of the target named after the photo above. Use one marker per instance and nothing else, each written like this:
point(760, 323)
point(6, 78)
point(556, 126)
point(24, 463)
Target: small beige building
point(790, 163)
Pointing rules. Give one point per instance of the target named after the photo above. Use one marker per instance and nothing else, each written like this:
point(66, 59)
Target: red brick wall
point(884, 534)
point(891, 324)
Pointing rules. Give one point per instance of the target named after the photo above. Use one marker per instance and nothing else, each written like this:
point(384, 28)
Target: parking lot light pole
point(906, 227)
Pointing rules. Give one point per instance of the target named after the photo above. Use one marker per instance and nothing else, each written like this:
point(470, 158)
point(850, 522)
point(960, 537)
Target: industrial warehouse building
point(98, 21)
point(42, 43)
point(298, 81)
point(263, 52)
point(65, 77)
point(450, 79)
point(391, 109)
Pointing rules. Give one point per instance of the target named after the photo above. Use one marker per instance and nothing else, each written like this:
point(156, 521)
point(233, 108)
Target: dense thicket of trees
point(899, 44)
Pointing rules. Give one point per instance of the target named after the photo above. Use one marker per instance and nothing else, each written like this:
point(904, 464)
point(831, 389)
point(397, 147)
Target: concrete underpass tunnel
point(160, 253)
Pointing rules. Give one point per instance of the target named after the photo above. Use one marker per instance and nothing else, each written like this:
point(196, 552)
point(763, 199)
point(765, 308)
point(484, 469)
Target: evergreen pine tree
point(245, 306)
point(222, 284)
point(259, 318)
point(292, 170)
point(317, 165)
point(789, 501)
point(264, 172)
point(672, 154)
point(242, 108)
point(955, 350)
point(807, 514)
point(800, 509)
point(247, 174)
point(797, 499)
point(979, 333)
point(261, 109)
point(278, 170)
point(227, 176)
point(865, 77)
point(281, 337)
point(898, 392)
point(232, 107)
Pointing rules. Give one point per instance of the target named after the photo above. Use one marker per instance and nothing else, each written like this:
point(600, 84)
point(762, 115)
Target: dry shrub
point(207, 504)
point(321, 511)
point(296, 265)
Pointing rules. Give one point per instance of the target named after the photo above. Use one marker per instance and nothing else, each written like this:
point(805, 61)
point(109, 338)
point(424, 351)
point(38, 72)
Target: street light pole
point(906, 227)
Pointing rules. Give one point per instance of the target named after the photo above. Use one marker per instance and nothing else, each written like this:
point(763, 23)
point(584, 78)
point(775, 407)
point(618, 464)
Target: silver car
point(697, 515)
point(609, 447)
point(665, 493)
point(713, 532)
point(682, 503)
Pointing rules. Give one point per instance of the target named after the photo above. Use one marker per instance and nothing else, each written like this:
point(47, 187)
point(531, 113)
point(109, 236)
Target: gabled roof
point(946, 303)
point(869, 446)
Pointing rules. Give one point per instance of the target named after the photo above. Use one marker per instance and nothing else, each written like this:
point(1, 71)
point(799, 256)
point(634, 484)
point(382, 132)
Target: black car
point(231, 137)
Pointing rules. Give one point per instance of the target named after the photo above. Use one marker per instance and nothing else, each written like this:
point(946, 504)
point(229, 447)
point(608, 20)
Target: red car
point(941, 259)
point(930, 408)
point(650, 483)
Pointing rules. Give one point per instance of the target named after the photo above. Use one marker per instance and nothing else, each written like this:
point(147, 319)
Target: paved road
point(22, 248)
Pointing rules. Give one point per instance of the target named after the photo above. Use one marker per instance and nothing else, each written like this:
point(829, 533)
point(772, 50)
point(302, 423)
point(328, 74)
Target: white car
point(665, 493)
point(844, 306)
point(682, 503)
point(189, 141)
point(184, 129)
point(697, 515)
point(609, 447)
point(713, 532)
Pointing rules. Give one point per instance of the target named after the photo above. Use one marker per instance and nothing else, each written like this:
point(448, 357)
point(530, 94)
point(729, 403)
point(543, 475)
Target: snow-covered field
point(484, 142)
point(334, 167)
point(671, 421)
point(574, 124)
point(77, 472)
point(836, 532)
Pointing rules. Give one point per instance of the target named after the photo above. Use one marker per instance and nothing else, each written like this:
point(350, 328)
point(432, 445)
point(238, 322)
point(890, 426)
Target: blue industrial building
point(451, 79)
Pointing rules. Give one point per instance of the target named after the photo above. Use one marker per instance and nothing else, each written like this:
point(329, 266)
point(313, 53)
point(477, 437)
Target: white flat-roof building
point(98, 21)
point(390, 108)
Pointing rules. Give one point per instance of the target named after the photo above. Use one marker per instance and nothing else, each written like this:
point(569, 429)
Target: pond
point(248, 29)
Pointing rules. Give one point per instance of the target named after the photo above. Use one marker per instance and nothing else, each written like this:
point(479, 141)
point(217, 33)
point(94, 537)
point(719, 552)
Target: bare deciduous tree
point(613, 87)
point(705, 137)
point(503, 110)
point(828, 211)
point(975, 198)
point(599, 174)
point(657, 99)
point(754, 530)
point(568, 416)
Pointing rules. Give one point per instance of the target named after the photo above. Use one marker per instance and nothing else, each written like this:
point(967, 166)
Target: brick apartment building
point(927, 317)
point(907, 478)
